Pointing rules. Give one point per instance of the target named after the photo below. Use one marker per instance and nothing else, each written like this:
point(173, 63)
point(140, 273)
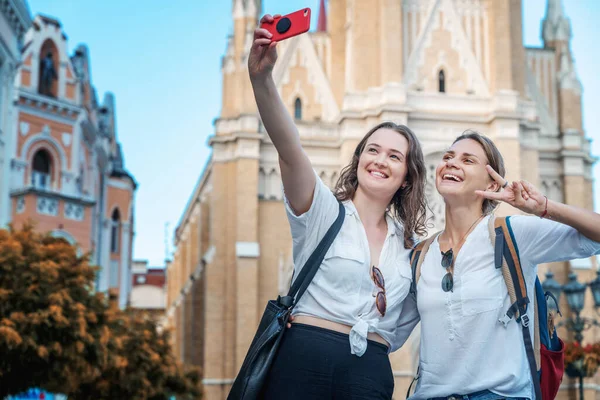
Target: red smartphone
point(289, 25)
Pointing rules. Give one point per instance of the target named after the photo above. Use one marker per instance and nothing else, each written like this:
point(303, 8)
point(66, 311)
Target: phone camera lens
point(283, 25)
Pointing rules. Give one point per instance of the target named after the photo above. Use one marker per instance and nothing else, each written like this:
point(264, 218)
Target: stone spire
point(238, 9)
point(246, 9)
point(556, 27)
point(322, 24)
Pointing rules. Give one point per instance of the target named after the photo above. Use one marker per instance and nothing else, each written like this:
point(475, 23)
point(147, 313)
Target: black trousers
point(316, 363)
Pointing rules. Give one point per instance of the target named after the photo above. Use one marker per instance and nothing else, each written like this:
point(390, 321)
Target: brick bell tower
point(233, 309)
point(577, 165)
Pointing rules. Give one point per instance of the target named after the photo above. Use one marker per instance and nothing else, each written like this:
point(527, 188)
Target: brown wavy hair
point(495, 161)
point(408, 204)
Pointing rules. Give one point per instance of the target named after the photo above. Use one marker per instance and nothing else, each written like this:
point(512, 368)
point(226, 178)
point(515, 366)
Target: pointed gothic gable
point(299, 74)
point(443, 45)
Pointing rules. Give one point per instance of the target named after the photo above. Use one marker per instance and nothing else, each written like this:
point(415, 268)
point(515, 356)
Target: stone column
point(125, 271)
point(104, 255)
point(363, 49)
point(392, 63)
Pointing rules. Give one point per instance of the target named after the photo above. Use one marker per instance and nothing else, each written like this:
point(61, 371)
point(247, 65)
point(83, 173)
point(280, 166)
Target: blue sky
point(162, 62)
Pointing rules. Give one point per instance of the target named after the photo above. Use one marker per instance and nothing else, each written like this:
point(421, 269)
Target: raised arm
point(296, 171)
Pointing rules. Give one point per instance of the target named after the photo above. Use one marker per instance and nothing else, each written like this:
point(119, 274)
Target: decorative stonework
point(47, 206)
point(74, 211)
point(24, 128)
point(300, 54)
point(20, 204)
point(66, 139)
point(269, 184)
point(436, 211)
point(17, 15)
point(567, 74)
point(442, 43)
point(552, 187)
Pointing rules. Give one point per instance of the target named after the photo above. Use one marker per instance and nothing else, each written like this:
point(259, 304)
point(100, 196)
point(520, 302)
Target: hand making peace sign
point(520, 194)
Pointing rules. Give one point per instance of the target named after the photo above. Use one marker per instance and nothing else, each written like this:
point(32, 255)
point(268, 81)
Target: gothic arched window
point(442, 81)
point(298, 108)
point(41, 169)
point(114, 231)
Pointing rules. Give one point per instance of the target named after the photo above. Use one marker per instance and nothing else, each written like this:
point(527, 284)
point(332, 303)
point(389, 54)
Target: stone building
point(15, 21)
point(438, 66)
point(66, 170)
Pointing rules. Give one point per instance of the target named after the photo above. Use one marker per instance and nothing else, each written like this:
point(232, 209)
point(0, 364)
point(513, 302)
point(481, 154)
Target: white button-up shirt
point(464, 348)
point(342, 290)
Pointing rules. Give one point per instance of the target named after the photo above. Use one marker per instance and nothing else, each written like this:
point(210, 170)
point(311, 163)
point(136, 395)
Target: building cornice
point(52, 194)
point(194, 199)
point(49, 105)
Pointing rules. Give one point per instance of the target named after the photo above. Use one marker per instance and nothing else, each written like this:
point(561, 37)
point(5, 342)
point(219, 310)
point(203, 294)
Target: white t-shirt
point(464, 348)
point(342, 289)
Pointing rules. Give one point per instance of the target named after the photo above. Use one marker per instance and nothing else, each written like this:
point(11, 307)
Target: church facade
point(438, 66)
point(66, 172)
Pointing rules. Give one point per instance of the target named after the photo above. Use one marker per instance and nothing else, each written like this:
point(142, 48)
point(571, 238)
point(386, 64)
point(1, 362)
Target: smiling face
point(382, 166)
point(462, 171)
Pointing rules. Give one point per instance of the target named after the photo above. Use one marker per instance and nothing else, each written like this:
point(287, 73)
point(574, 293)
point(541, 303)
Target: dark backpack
point(546, 354)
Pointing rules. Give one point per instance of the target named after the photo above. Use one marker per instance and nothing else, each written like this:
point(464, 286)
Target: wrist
point(261, 79)
point(543, 213)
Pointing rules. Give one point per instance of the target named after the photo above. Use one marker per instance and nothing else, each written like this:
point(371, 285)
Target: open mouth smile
point(451, 178)
point(378, 174)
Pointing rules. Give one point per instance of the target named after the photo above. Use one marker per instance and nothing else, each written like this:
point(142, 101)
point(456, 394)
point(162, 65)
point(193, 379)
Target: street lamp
point(575, 293)
point(551, 286)
point(595, 286)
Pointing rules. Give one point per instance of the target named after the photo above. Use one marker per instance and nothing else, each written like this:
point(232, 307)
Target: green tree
point(58, 335)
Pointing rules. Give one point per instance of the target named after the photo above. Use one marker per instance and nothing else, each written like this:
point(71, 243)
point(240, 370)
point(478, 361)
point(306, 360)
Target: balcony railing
point(40, 180)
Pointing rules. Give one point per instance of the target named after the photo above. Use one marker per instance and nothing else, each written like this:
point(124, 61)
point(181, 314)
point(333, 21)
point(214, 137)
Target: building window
point(41, 170)
point(442, 81)
point(298, 109)
point(114, 231)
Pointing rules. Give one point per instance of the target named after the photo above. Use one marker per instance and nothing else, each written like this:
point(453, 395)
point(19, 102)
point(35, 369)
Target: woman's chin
point(451, 191)
point(377, 190)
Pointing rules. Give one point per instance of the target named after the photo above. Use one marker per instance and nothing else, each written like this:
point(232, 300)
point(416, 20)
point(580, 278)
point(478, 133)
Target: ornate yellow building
point(438, 66)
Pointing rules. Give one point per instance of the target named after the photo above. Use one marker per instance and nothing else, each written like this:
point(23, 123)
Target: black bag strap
point(311, 266)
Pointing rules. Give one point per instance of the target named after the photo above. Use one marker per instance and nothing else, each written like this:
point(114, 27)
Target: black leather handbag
point(251, 378)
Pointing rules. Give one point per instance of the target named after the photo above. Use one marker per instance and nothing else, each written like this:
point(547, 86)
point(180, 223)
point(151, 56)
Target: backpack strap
point(417, 256)
point(506, 256)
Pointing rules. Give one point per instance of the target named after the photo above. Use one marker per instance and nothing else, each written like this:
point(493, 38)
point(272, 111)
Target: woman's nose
point(380, 160)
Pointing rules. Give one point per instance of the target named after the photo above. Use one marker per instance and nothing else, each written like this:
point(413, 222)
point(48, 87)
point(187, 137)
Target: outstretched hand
point(519, 194)
point(263, 53)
